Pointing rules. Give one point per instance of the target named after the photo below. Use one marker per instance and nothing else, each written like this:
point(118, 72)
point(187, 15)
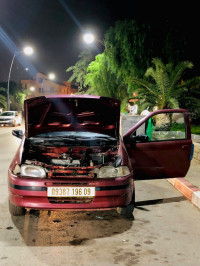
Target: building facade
point(41, 85)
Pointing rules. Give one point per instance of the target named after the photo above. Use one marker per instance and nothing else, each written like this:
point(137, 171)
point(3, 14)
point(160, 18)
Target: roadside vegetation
point(3, 102)
point(195, 129)
point(181, 127)
point(17, 96)
point(141, 63)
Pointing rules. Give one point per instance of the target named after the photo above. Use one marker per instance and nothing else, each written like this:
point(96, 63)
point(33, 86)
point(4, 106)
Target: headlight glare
point(32, 171)
point(111, 172)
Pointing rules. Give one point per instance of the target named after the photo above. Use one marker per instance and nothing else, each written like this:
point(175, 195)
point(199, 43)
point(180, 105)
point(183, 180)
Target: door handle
point(184, 147)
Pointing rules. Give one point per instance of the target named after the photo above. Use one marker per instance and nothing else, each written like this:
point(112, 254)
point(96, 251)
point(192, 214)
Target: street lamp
point(51, 76)
point(32, 88)
point(89, 38)
point(27, 51)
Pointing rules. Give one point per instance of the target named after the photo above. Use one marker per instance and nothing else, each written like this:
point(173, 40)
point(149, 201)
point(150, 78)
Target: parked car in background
point(12, 118)
point(72, 156)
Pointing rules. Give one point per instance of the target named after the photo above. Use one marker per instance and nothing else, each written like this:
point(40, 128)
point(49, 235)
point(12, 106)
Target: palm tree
point(160, 84)
point(3, 101)
point(79, 70)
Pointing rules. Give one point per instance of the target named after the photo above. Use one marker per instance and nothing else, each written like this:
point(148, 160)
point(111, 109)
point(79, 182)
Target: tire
point(127, 211)
point(16, 210)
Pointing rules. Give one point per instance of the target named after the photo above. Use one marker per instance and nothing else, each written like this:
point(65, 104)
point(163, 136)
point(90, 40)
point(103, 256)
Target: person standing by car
point(132, 108)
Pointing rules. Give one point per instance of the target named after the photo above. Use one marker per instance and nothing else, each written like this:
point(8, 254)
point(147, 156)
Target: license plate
point(71, 191)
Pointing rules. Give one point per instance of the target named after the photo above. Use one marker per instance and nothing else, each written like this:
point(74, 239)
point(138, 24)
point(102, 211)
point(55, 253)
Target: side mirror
point(140, 138)
point(18, 133)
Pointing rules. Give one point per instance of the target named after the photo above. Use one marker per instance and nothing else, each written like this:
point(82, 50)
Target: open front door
point(160, 146)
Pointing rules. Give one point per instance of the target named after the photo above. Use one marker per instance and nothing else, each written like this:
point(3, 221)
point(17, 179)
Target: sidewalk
point(190, 185)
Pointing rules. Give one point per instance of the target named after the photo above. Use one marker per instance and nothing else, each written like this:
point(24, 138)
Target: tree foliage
point(17, 101)
point(189, 98)
point(160, 86)
point(102, 81)
point(3, 100)
point(128, 48)
point(16, 94)
point(79, 70)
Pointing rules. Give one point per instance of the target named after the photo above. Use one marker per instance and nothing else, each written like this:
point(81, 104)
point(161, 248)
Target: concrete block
point(171, 181)
point(196, 138)
point(196, 199)
point(185, 187)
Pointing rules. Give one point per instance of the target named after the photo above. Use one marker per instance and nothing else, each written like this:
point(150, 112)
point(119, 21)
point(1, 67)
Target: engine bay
point(61, 159)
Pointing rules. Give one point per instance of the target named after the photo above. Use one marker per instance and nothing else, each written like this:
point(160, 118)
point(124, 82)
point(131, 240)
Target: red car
point(72, 156)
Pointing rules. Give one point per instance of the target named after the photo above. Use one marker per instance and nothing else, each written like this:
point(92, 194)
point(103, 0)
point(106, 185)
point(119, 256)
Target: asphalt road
point(166, 229)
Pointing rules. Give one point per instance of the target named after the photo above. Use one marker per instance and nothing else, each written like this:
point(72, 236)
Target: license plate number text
point(71, 191)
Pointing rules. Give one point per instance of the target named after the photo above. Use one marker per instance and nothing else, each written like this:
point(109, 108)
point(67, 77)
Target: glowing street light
point(89, 38)
point(32, 88)
point(51, 76)
point(27, 51)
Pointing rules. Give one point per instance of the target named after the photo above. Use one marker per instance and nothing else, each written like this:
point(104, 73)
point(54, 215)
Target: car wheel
point(127, 211)
point(16, 210)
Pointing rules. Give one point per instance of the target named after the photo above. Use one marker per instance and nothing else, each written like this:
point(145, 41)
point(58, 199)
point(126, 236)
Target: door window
point(162, 127)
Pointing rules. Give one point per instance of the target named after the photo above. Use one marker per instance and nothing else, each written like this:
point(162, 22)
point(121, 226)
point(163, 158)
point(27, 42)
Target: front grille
point(69, 200)
point(71, 173)
point(68, 184)
point(71, 176)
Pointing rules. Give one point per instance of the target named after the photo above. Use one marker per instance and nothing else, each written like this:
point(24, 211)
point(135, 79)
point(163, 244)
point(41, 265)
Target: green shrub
point(195, 129)
point(181, 127)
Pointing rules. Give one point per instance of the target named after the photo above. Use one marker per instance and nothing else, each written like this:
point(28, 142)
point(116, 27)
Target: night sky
point(55, 27)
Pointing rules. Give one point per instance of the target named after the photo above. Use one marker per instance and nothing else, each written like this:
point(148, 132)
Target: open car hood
point(72, 113)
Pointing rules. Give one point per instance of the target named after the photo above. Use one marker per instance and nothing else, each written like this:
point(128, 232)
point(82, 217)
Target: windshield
point(7, 114)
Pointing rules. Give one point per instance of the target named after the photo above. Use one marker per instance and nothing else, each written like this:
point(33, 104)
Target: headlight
point(111, 172)
point(32, 171)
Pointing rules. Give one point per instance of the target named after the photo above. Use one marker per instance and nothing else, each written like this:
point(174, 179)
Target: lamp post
point(27, 51)
point(51, 76)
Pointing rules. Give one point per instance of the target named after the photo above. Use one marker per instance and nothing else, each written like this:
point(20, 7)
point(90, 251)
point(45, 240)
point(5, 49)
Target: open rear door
point(160, 146)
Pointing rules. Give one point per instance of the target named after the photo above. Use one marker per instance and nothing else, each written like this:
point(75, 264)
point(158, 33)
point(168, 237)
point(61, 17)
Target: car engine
point(70, 161)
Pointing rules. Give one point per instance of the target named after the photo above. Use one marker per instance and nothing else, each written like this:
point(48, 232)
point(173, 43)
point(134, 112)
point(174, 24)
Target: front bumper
point(32, 193)
point(7, 122)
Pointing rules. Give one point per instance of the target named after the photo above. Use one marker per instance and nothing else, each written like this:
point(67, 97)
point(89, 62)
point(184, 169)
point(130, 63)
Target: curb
point(191, 192)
